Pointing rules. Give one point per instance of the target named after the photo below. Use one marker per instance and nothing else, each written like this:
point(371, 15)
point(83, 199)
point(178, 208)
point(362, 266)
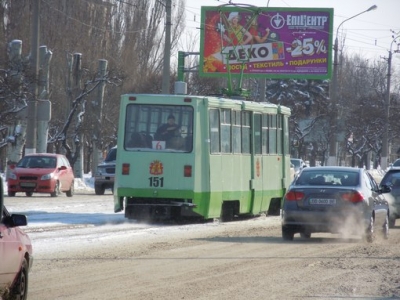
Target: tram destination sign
point(266, 42)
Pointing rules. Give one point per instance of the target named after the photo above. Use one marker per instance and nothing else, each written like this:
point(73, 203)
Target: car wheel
point(392, 222)
point(386, 228)
point(305, 235)
point(29, 194)
point(369, 232)
point(11, 194)
point(71, 191)
point(287, 233)
point(20, 288)
point(99, 190)
point(56, 190)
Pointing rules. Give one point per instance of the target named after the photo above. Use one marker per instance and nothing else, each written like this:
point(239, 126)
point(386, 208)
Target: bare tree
point(128, 34)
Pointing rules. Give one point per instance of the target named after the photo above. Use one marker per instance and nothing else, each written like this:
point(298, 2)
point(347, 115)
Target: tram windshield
point(158, 128)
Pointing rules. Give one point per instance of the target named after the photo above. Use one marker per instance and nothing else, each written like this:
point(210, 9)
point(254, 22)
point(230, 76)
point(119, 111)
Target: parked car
point(336, 200)
point(15, 254)
point(41, 173)
point(391, 179)
point(298, 164)
point(104, 177)
point(396, 163)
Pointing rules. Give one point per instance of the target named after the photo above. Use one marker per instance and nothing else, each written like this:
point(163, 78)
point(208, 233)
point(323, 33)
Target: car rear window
point(396, 163)
point(327, 177)
point(111, 155)
point(392, 179)
point(295, 162)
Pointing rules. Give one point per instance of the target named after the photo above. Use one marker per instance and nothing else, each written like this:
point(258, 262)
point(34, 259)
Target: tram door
point(257, 166)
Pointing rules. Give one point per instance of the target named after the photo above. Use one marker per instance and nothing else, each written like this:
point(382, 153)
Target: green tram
point(221, 158)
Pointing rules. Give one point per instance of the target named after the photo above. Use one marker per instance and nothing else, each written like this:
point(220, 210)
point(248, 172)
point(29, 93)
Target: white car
point(298, 164)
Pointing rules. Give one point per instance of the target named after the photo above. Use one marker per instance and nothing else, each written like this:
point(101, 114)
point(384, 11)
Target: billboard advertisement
point(266, 42)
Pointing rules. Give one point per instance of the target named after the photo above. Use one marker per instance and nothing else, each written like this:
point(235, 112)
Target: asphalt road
point(82, 250)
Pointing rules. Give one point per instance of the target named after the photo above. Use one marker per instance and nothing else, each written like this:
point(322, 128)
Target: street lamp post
point(333, 137)
point(385, 138)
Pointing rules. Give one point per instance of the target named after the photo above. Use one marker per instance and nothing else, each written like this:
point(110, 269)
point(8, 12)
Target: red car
point(15, 254)
point(41, 173)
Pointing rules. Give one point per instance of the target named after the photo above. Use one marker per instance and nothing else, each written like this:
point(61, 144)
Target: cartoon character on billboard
point(230, 43)
point(236, 34)
point(258, 37)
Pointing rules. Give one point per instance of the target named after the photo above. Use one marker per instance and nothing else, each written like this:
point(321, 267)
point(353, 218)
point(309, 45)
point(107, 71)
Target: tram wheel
point(227, 212)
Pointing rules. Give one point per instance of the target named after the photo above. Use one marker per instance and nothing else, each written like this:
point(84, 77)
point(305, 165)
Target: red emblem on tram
point(156, 167)
point(258, 167)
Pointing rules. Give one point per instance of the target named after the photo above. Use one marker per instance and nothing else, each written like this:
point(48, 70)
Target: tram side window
point(214, 131)
point(279, 134)
point(226, 131)
point(246, 130)
point(272, 134)
point(257, 134)
point(264, 132)
point(236, 132)
point(187, 130)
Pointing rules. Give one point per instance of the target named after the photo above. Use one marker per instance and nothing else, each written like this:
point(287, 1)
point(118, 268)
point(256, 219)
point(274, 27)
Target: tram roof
point(219, 101)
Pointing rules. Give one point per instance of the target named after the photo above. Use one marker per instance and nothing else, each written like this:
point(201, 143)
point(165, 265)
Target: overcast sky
point(367, 34)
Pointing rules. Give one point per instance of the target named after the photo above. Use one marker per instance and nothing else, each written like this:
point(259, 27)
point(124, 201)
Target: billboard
point(266, 42)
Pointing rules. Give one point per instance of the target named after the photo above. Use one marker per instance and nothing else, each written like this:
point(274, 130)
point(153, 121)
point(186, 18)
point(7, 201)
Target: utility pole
point(31, 136)
point(43, 104)
point(17, 132)
point(75, 82)
point(333, 139)
point(263, 89)
point(167, 49)
point(385, 138)
point(98, 110)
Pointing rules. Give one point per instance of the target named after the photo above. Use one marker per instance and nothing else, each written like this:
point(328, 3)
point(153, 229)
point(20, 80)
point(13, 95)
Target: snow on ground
point(62, 224)
point(65, 223)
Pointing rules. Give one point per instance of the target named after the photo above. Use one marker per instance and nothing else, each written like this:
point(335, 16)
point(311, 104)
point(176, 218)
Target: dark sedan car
point(391, 179)
point(341, 200)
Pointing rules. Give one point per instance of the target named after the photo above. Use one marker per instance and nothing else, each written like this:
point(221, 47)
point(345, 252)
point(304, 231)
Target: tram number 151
point(156, 181)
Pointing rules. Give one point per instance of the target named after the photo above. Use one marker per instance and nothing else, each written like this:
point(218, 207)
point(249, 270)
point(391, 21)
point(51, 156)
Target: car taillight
point(294, 196)
point(352, 196)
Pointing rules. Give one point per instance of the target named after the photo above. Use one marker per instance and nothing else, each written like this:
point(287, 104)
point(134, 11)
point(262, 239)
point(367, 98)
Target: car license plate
point(28, 184)
point(322, 201)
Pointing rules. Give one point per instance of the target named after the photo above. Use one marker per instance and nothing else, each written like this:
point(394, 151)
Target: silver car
point(391, 180)
point(298, 164)
point(104, 177)
point(336, 200)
